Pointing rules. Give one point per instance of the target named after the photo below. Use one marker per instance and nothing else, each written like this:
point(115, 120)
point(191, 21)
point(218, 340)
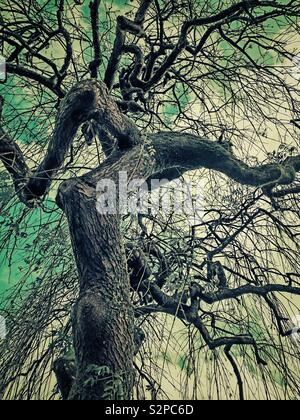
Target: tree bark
point(103, 317)
point(103, 320)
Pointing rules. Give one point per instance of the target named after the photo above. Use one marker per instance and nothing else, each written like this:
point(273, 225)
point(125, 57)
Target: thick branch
point(178, 153)
point(87, 100)
point(174, 153)
point(168, 303)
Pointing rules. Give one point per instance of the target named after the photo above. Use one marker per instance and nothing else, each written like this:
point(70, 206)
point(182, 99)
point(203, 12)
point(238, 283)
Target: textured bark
point(177, 153)
point(103, 317)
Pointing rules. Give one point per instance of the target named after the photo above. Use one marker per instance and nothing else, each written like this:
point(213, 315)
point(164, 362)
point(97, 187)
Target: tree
point(166, 89)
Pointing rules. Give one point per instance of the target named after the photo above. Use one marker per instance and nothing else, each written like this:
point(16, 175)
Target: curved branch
point(236, 371)
point(125, 26)
point(247, 290)
point(217, 19)
point(94, 65)
point(174, 153)
point(172, 306)
point(87, 100)
point(177, 153)
point(37, 77)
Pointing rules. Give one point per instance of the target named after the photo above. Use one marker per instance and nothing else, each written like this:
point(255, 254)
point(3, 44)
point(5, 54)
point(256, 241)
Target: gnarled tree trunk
point(103, 317)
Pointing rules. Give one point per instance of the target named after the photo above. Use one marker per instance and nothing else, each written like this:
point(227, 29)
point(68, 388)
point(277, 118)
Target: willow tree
point(158, 90)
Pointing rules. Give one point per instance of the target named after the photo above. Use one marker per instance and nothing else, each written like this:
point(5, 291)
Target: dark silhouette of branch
point(236, 371)
point(69, 48)
point(124, 25)
point(94, 65)
point(36, 77)
point(248, 290)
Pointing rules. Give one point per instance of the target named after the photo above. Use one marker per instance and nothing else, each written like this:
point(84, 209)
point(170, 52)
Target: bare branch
point(37, 77)
point(188, 152)
point(236, 372)
point(124, 25)
point(248, 290)
point(94, 65)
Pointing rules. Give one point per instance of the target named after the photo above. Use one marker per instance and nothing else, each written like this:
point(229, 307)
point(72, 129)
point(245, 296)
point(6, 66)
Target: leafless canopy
point(203, 89)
